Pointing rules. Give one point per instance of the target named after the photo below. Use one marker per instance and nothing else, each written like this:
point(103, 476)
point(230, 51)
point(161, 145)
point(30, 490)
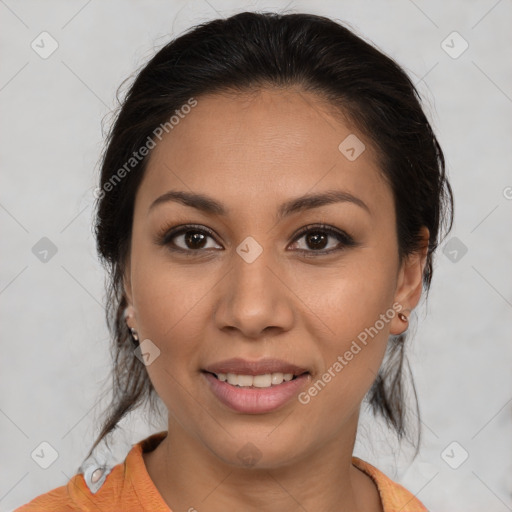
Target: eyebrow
point(211, 206)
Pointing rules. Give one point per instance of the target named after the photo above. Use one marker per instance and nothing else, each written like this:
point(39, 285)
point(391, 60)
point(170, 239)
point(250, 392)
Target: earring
point(128, 313)
point(134, 334)
point(403, 317)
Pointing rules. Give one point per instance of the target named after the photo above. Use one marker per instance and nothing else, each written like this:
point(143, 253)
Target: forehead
point(268, 145)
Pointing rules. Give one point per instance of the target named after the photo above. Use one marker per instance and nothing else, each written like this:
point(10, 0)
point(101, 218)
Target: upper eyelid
point(181, 229)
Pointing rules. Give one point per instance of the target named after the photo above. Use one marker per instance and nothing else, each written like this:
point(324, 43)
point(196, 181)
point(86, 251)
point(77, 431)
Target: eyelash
point(164, 237)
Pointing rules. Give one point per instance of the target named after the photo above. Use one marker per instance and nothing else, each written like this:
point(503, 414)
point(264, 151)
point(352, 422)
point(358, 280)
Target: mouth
point(265, 380)
point(263, 373)
point(255, 387)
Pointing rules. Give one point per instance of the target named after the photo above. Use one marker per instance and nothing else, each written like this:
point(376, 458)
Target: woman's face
point(256, 287)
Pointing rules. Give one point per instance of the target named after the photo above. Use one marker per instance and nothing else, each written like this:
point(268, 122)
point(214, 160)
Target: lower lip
point(251, 400)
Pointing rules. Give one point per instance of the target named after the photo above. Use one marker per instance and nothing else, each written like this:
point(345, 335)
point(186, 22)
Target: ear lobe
point(410, 282)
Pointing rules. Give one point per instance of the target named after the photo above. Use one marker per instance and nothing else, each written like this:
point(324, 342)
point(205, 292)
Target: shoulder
point(77, 496)
point(394, 496)
point(101, 485)
point(56, 499)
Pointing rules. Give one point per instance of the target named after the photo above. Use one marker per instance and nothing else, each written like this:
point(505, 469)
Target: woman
point(271, 198)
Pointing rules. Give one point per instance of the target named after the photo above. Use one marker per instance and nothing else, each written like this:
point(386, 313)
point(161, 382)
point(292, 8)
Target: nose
point(255, 299)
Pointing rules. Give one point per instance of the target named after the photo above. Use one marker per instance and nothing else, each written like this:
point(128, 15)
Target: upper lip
point(262, 366)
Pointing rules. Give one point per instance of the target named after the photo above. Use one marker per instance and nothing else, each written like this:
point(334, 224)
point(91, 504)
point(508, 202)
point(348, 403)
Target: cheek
point(170, 306)
point(355, 306)
point(352, 297)
point(165, 293)
point(171, 314)
point(351, 350)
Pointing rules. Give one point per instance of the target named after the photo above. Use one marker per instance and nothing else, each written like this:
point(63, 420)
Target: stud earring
point(134, 334)
point(128, 313)
point(403, 317)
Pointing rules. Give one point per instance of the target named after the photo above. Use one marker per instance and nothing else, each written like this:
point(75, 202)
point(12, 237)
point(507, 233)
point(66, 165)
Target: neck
point(190, 477)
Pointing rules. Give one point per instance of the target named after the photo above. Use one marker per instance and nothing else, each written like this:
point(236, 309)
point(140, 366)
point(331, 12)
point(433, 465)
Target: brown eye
point(194, 239)
point(188, 239)
point(316, 240)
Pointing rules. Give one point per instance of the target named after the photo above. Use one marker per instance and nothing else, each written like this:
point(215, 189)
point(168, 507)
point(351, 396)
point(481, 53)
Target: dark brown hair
point(244, 53)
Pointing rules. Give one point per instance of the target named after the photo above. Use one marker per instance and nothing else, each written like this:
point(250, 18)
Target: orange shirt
point(128, 487)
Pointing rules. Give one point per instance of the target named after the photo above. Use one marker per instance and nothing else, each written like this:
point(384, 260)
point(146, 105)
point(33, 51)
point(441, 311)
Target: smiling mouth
point(266, 380)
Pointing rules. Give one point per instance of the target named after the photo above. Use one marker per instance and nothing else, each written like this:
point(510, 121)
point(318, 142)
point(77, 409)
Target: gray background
point(54, 338)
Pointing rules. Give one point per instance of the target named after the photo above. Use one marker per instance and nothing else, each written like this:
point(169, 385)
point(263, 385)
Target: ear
point(127, 288)
point(410, 282)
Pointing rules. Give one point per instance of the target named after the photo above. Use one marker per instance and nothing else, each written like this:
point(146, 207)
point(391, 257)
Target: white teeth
point(277, 378)
point(240, 380)
point(258, 381)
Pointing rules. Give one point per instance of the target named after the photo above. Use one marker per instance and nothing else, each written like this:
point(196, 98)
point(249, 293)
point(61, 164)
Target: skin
point(253, 152)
